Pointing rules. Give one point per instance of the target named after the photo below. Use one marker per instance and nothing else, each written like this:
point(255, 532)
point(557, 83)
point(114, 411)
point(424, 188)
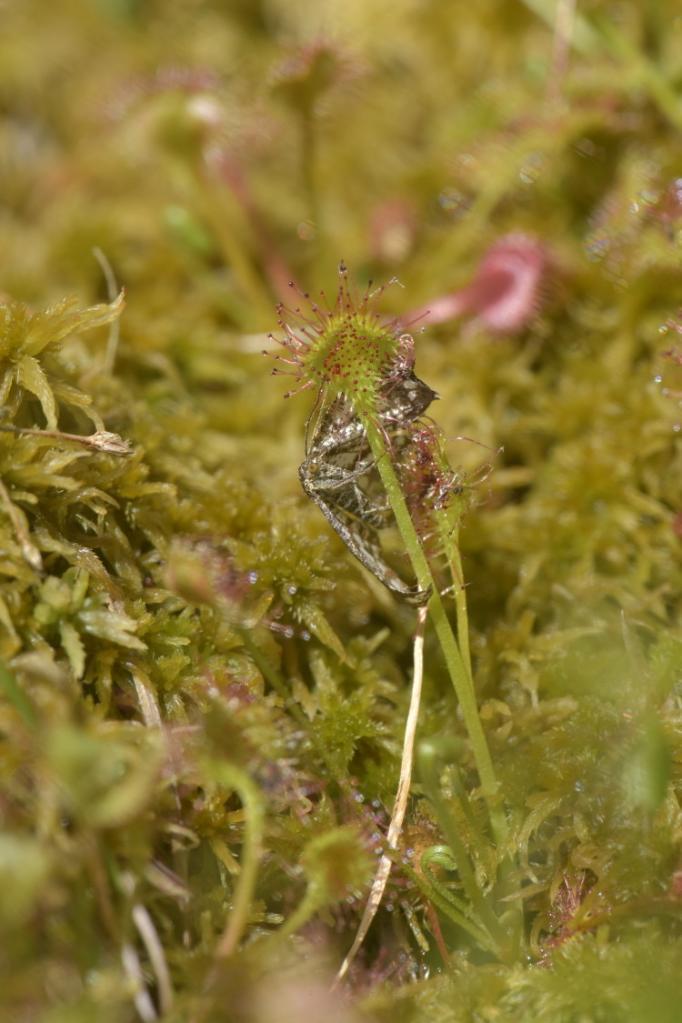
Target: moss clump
point(202, 695)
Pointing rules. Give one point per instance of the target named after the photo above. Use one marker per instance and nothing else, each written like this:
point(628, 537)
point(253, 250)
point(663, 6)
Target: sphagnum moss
point(177, 620)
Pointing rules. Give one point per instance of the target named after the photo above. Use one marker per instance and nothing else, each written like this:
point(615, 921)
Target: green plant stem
point(306, 909)
point(450, 911)
point(461, 797)
point(486, 916)
point(233, 235)
point(232, 777)
point(459, 676)
point(450, 538)
point(447, 523)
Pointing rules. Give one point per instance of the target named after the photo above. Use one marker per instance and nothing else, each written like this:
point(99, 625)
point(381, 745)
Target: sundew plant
point(341, 682)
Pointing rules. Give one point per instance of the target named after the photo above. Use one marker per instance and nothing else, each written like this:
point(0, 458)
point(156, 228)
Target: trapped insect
point(339, 472)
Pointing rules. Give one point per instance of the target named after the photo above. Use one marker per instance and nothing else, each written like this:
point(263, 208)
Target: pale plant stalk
point(114, 328)
point(132, 968)
point(150, 938)
point(400, 806)
point(100, 440)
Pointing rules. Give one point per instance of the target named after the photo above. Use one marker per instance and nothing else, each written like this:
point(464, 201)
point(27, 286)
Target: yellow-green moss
point(201, 694)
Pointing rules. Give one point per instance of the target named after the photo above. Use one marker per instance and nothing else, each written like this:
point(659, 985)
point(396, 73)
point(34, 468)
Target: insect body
point(339, 472)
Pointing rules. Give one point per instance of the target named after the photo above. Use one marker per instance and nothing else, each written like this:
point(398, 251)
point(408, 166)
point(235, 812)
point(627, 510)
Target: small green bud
point(335, 863)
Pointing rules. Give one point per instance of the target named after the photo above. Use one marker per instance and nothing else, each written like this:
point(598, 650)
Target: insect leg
point(366, 553)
